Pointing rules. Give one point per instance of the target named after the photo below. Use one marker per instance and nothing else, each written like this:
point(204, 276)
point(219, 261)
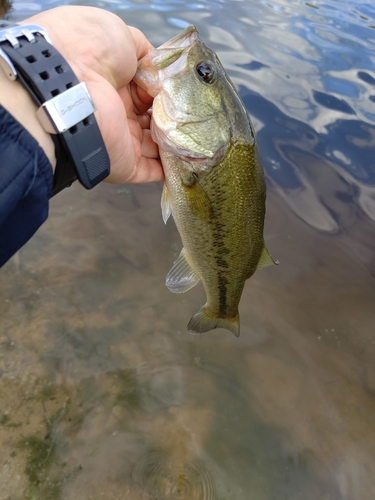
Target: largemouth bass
point(214, 182)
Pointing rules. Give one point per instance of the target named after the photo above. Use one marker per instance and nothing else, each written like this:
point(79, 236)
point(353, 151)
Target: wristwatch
point(65, 107)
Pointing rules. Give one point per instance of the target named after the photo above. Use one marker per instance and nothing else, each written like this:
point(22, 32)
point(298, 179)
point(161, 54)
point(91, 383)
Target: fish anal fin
point(166, 207)
point(205, 320)
point(266, 259)
point(181, 277)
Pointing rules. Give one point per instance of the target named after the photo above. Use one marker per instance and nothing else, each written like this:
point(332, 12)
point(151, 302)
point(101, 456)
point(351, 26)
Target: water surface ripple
point(164, 476)
point(106, 396)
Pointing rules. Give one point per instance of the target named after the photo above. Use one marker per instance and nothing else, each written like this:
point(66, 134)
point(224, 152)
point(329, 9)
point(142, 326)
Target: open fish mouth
point(156, 66)
point(182, 39)
point(170, 51)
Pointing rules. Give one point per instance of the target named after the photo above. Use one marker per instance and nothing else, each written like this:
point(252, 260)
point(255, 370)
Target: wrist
point(65, 107)
point(17, 101)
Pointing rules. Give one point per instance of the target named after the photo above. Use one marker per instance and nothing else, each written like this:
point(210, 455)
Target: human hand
point(103, 52)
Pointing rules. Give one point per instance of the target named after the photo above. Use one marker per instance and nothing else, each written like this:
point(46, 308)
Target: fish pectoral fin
point(181, 277)
point(197, 199)
point(205, 320)
point(166, 206)
point(266, 259)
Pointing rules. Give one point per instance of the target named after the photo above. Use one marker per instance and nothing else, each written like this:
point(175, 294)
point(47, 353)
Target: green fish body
point(214, 181)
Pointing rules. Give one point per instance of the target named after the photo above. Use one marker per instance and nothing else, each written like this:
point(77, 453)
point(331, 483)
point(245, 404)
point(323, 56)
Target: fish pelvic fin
point(166, 207)
point(181, 277)
point(205, 320)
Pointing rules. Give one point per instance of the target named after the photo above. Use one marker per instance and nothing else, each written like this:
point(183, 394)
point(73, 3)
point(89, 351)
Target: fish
point(214, 181)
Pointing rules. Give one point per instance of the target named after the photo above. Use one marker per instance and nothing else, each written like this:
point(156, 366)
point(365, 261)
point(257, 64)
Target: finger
point(144, 121)
point(149, 148)
point(142, 45)
point(141, 100)
point(147, 170)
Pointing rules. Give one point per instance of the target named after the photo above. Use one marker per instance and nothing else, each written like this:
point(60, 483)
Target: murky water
point(104, 395)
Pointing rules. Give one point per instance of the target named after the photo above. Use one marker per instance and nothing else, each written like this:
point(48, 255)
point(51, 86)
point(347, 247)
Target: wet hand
point(104, 52)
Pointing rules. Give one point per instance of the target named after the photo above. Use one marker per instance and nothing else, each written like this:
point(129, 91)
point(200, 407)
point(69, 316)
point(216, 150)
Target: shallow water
point(104, 395)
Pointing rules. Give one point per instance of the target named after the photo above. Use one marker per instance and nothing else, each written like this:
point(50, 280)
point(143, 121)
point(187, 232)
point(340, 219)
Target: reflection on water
point(104, 394)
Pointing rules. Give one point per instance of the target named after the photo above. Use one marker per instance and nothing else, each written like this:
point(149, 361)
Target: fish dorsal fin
point(181, 277)
point(266, 259)
point(166, 207)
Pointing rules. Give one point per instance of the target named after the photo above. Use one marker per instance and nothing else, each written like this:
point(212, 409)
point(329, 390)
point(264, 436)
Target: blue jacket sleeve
point(26, 180)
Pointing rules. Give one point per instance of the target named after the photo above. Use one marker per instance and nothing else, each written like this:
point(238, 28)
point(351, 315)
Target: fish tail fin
point(205, 320)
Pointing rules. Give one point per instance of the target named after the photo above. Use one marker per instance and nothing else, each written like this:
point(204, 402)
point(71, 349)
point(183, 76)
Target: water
point(104, 395)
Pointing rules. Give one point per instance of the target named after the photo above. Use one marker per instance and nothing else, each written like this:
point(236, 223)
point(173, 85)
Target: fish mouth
point(170, 51)
point(183, 39)
point(173, 51)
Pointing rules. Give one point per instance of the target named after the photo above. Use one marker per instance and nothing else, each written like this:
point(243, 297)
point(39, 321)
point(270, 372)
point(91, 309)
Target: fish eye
point(206, 71)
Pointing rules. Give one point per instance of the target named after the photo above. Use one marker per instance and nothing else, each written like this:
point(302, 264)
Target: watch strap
point(42, 70)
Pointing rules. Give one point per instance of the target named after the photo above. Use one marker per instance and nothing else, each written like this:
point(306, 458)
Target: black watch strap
point(80, 150)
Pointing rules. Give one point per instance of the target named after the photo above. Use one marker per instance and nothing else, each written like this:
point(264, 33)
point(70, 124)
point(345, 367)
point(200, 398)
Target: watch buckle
point(11, 34)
